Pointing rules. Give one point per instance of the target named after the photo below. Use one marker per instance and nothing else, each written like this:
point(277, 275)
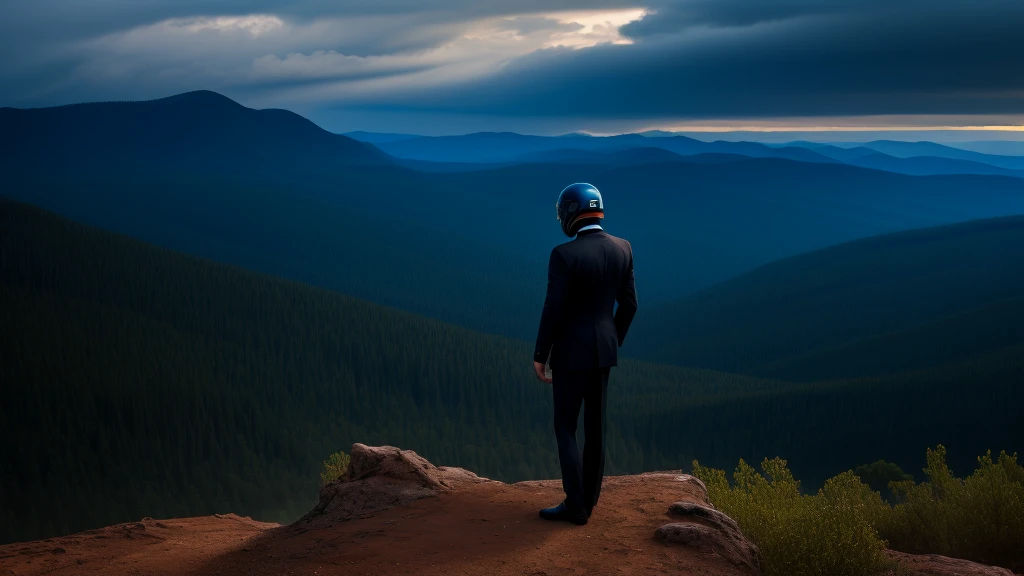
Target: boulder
point(379, 478)
point(710, 531)
point(935, 565)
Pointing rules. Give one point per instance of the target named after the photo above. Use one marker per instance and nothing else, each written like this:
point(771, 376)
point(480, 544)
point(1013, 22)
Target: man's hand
point(538, 368)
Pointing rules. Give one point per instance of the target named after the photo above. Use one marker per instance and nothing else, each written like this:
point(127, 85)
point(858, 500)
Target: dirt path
point(487, 529)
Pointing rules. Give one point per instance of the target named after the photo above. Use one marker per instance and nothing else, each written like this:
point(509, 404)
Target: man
point(580, 331)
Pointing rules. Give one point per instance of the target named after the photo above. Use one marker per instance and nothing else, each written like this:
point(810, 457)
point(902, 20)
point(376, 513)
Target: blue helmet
point(576, 203)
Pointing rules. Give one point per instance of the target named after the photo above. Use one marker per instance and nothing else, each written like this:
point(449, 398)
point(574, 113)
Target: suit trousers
point(581, 480)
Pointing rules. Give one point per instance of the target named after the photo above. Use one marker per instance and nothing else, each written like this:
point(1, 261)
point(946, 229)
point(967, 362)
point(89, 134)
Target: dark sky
point(535, 66)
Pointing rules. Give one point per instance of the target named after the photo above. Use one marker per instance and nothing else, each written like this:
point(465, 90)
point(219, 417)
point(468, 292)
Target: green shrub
point(839, 531)
point(334, 467)
point(829, 533)
point(979, 518)
point(880, 474)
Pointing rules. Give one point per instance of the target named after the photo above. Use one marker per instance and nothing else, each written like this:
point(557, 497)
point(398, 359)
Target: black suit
point(581, 330)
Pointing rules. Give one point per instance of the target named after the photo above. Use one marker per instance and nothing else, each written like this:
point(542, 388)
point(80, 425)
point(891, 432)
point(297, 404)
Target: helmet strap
point(581, 218)
point(585, 216)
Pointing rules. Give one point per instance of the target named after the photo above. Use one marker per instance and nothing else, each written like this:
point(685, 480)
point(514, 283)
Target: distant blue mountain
point(930, 165)
point(570, 156)
point(758, 150)
point(997, 147)
point(615, 157)
point(834, 152)
point(443, 167)
point(377, 137)
point(917, 165)
point(498, 147)
point(912, 149)
point(626, 157)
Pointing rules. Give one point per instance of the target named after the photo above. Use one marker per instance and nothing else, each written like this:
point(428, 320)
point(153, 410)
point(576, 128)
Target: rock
point(710, 531)
point(935, 565)
point(379, 478)
point(690, 511)
point(693, 535)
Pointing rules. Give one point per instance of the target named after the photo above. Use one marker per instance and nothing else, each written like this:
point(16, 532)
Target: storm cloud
point(660, 60)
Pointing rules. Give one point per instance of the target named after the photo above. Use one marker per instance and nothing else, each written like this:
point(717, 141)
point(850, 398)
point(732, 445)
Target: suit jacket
point(586, 276)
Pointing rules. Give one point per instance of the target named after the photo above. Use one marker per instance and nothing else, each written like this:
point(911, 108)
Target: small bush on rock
point(334, 467)
point(802, 535)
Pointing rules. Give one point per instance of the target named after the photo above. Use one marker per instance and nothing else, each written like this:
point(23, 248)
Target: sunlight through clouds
point(337, 58)
point(660, 63)
point(597, 27)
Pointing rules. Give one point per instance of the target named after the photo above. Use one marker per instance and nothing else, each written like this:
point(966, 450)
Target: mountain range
point(913, 158)
point(327, 210)
point(508, 146)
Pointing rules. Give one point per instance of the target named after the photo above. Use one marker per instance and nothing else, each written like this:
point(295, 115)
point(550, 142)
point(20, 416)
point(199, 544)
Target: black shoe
point(565, 514)
point(590, 510)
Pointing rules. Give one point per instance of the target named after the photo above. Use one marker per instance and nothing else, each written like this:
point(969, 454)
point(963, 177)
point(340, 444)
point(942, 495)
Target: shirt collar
point(590, 227)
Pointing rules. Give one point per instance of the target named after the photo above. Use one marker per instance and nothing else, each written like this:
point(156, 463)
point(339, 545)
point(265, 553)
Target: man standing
point(581, 330)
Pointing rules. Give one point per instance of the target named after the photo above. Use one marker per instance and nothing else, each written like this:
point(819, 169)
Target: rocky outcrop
point(379, 478)
point(935, 565)
point(708, 530)
point(382, 477)
point(478, 526)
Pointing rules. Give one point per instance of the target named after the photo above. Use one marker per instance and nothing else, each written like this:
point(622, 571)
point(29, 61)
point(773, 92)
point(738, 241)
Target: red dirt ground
point(487, 529)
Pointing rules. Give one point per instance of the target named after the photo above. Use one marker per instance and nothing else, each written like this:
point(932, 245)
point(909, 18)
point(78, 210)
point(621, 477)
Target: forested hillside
point(163, 385)
point(143, 382)
point(883, 305)
point(824, 428)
